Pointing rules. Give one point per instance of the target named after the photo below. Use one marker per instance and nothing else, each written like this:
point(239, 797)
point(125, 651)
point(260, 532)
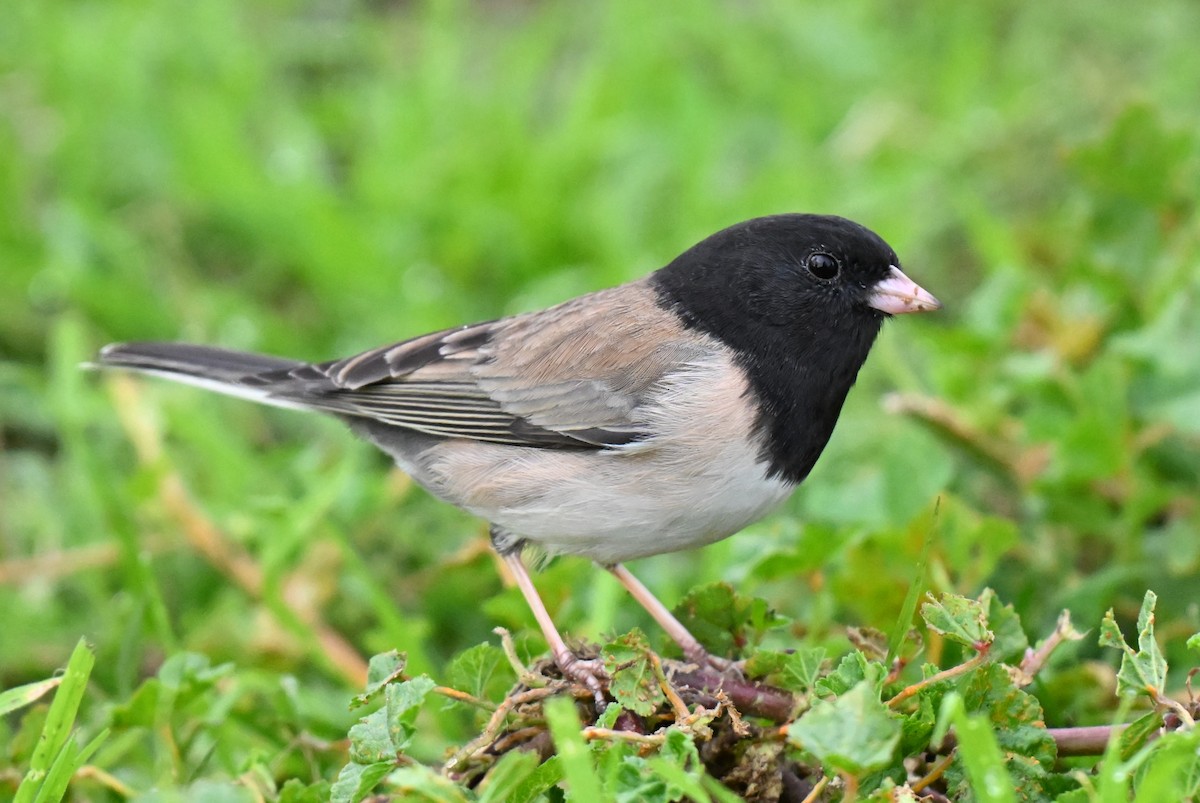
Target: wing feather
point(573, 376)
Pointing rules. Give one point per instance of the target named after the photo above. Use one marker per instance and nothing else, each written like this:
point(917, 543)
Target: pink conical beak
point(898, 294)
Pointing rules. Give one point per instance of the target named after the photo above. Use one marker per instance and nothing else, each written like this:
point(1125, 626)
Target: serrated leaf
point(481, 671)
point(1144, 671)
point(854, 733)
point(1014, 715)
point(1010, 640)
point(793, 670)
point(1193, 643)
point(1172, 769)
point(959, 619)
point(917, 727)
point(632, 683)
point(677, 766)
point(382, 669)
point(383, 734)
point(296, 791)
point(1110, 633)
point(356, 781)
point(679, 748)
point(403, 704)
point(854, 668)
point(507, 776)
point(801, 669)
point(370, 742)
point(1138, 733)
point(724, 621)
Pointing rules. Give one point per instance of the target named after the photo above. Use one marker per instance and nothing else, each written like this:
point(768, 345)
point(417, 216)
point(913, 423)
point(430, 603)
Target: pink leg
point(692, 649)
point(589, 673)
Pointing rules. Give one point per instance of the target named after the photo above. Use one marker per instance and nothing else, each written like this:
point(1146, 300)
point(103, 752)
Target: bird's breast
point(700, 477)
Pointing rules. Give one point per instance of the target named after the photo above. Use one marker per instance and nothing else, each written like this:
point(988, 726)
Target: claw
point(589, 673)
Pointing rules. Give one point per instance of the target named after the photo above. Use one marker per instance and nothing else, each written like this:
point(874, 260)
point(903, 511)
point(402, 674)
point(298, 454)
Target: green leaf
point(918, 584)
point(573, 754)
point(678, 766)
point(370, 742)
point(633, 682)
point(854, 668)
point(481, 671)
point(403, 704)
point(66, 764)
point(917, 727)
point(977, 753)
point(21, 696)
point(1015, 716)
point(383, 734)
point(55, 743)
point(141, 709)
point(356, 781)
point(296, 791)
point(794, 670)
point(191, 672)
point(1193, 643)
point(724, 621)
point(418, 782)
point(1144, 671)
point(854, 733)
point(1139, 733)
point(1172, 769)
point(381, 670)
point(506, 776)
point(1010, 640)
point(959, 619)
point(544, 776)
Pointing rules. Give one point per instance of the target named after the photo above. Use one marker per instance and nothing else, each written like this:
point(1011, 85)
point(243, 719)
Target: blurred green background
point(315, 178)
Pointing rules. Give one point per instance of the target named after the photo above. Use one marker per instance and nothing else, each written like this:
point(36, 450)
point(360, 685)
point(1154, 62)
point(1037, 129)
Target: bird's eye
point(823, 266)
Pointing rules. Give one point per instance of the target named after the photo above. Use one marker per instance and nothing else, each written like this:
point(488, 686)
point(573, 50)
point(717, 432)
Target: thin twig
point(463, 697)
point(816, 790)
point(851, 784)
point(977, 660)
point(938, 770)
point(105, 779)
point(682, 713)
point(525, 675)
point(495, 723)
point(1034, 660)
point(592, 733)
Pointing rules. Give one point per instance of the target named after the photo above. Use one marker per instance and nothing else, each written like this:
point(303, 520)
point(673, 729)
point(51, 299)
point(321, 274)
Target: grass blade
point(573, 754)
point(52, 746)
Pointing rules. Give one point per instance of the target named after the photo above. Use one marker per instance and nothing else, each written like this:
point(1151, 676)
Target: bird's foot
point(588, 672)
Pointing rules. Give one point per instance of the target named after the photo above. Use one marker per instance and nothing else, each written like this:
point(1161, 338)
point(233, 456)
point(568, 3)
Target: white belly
point(700, 480)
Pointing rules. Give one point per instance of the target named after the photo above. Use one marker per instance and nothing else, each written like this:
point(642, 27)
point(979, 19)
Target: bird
point(660, 415)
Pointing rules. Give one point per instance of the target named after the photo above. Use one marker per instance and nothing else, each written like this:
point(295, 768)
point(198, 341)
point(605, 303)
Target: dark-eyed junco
point(664, 414)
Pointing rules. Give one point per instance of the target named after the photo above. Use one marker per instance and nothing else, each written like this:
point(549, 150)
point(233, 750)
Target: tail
point(234, 373)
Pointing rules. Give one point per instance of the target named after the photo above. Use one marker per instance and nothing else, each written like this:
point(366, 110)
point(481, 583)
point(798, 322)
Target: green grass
point(310, 179)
